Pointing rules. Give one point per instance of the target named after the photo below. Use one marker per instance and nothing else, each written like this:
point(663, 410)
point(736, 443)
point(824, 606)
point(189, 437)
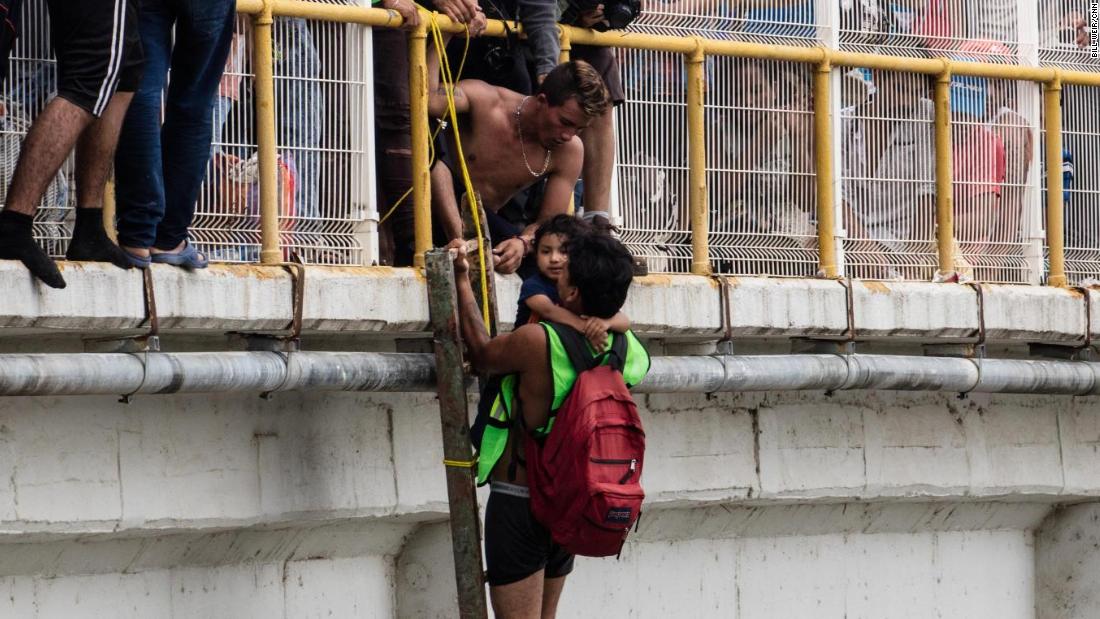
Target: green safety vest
point(495, 438)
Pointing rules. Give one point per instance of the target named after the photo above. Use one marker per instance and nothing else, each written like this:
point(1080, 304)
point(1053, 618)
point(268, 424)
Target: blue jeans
point(159, 168)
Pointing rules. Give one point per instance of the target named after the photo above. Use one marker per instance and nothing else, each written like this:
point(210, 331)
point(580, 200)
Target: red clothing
point(978, 162)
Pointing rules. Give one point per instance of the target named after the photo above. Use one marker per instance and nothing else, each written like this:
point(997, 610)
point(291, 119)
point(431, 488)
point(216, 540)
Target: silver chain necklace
point(522, 149)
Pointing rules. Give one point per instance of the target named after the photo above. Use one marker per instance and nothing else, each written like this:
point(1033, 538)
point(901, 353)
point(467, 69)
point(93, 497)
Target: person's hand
point(1082, 33)
point(478, 24)
point(406, 9)
point(508, 255)
point(458, 249)
point(460, 11)
point(591, 17)
point(595, 331)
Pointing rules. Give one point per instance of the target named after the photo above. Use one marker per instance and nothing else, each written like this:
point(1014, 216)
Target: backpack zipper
point(629, 473)
point(633, 462)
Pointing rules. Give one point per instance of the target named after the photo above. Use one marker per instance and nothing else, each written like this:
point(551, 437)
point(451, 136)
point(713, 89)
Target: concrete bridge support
point(1068, 563)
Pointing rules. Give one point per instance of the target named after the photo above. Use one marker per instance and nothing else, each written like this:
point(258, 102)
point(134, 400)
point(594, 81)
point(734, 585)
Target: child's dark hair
point(602, 270)
point(566, 225)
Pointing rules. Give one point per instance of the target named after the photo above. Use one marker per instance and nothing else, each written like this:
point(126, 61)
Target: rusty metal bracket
point(1087, 343)
point(974, 349)
point(289, 339)
point(725, 345)
point(149, 341)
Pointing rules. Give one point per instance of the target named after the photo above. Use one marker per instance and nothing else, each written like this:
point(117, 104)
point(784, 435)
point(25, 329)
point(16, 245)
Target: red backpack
point(585, 476)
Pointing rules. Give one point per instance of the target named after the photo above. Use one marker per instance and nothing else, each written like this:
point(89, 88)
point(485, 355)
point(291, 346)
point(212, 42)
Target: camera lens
point(618, 15)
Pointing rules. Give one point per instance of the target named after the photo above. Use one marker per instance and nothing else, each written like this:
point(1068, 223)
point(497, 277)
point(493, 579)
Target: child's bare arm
point(619, 323)
point(546, 309)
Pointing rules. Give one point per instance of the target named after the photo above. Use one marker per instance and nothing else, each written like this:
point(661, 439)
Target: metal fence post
point(267, 150)
point(945, 216)
point(697, 157)
point(1052, 102)
point(454, 417)
point(823, 143)
point(418, 111)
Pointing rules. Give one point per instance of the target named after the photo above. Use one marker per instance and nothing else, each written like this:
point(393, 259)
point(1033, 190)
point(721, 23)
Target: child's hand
point(595, 330)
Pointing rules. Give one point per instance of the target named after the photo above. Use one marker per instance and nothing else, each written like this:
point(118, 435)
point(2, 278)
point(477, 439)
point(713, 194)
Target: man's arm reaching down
point(568, 159)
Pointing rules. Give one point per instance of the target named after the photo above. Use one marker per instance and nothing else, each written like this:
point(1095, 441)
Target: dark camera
point(617, 13)
point(498, 57)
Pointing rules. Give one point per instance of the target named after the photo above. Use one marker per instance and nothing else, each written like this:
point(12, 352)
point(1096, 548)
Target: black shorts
point(98, 49)
point(604, 62)
point(515, 545)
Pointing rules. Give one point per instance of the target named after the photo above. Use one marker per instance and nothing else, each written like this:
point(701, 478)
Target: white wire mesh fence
point(760, 178)
point(759, 121)
point(1081, 179)
point(320, 84)
point(887, 170)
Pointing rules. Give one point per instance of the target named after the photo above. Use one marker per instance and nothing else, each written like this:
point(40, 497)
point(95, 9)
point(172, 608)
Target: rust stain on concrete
point(876, 287)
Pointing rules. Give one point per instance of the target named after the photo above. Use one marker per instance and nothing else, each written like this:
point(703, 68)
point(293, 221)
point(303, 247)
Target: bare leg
point(551, 593)
point(520, 600)
point(599, 160)
point(48, 143)
point(45, 148)
point(95, 152)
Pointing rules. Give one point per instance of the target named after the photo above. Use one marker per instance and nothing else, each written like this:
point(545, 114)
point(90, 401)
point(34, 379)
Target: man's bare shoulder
point(483, 93)
point(528, 343)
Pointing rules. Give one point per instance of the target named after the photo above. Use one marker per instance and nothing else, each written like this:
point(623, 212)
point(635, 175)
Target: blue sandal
point(188, 257)
point(138, 262)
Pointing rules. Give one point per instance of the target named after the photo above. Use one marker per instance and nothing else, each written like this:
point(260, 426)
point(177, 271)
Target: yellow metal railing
point(695, 51)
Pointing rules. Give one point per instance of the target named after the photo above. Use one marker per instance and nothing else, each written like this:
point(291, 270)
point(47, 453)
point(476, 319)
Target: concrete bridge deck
point(774, 504)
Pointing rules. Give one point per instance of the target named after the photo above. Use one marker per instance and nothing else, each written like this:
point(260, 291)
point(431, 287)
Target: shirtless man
point(526, 569)
point(511, 142)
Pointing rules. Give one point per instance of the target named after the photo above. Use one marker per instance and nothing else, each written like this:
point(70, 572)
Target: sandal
point(188, 257)
point(138, 262)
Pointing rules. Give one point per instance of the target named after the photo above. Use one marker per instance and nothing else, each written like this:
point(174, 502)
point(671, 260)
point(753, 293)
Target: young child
point(538, 298)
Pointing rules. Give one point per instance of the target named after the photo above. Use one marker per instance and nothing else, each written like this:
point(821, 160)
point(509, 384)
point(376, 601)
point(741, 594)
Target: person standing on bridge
point(160, 166)
point(99, 65)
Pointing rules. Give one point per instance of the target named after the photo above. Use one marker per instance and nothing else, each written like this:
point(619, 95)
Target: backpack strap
point(576, 346)
point(616, 355)
point(520, 427)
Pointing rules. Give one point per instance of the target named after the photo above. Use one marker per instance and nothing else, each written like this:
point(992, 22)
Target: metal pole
point(566, 44)
point(945, 216)
point(697, 158)
point(823, 142)
point(1052, 102)
point(264, 63)
point(454, 416)
point(418, 111)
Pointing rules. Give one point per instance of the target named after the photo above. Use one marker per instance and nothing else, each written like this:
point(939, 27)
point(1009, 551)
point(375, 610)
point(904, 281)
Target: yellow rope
point(471, 196)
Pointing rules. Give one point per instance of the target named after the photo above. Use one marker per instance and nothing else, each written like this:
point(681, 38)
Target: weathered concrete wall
point(759, 505)
point(389, 302)
point(1069, 563)
point(764, 505)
